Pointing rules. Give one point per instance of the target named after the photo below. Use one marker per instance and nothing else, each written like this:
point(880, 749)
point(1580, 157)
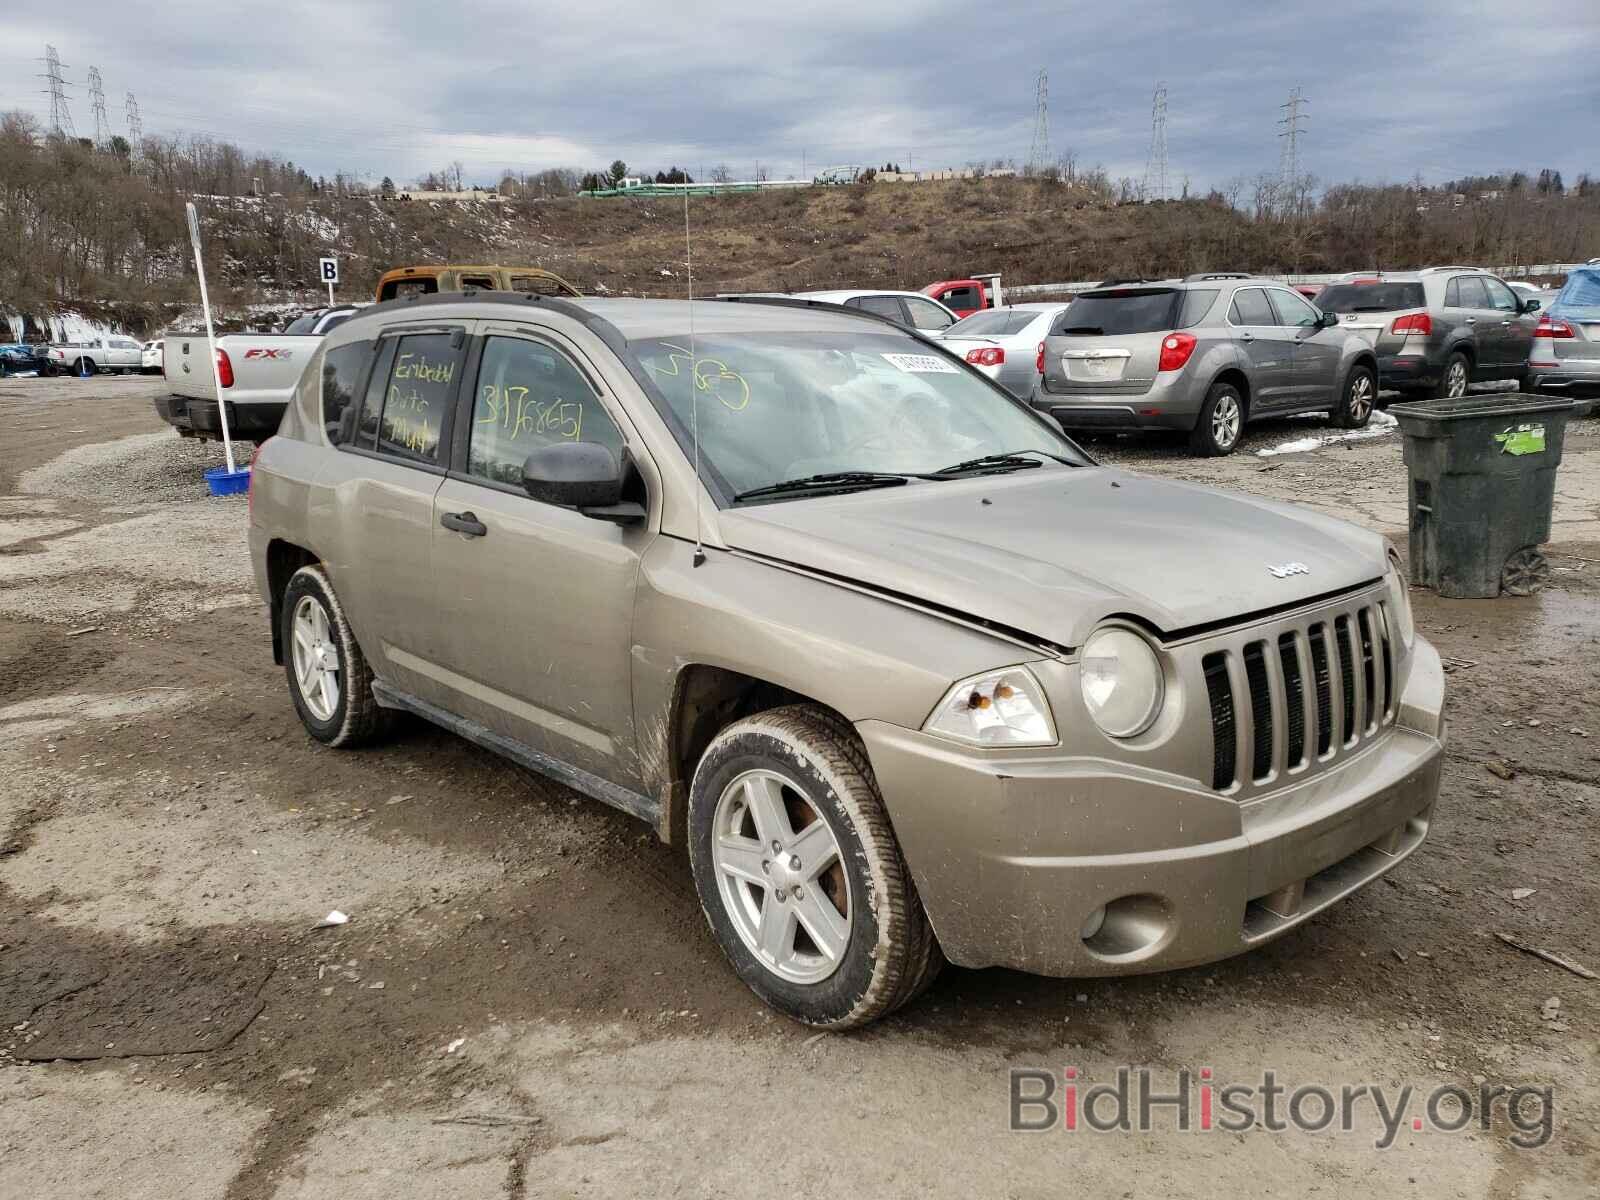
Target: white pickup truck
point(109, 353)
point(258, 373)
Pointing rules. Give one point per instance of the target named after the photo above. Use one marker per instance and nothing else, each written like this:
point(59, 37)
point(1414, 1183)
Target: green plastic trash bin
point(1483, 481)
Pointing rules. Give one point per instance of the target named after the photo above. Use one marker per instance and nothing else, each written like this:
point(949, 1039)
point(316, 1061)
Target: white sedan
point(150, 358)
point(1006, 344)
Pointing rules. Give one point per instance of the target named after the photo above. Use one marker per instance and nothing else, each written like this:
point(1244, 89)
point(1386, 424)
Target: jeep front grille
point(1305, 695)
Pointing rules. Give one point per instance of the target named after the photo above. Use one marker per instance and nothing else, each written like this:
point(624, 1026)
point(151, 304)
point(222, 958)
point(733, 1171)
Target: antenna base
point(699, 556)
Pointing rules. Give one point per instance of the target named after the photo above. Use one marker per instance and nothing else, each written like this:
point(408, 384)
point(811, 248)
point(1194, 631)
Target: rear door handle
point(1247, 337)
point(465, 523)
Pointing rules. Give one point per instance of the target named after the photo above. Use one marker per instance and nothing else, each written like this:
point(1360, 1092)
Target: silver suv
point(1204, 355)
point(1439, 329)
point(908, 674)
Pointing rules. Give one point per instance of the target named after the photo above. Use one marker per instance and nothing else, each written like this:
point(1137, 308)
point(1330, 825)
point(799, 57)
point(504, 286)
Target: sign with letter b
point(330, 270)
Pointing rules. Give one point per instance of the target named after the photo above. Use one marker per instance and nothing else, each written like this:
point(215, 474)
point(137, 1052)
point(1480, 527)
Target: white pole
point(330, 293)
point(211, 335)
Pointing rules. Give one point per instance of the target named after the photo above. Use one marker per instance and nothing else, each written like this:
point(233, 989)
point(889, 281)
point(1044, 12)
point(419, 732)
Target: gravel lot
point(525, 1001)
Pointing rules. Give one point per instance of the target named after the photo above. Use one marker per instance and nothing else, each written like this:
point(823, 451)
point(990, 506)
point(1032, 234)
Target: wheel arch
point(284, 558)
point(1235, 375)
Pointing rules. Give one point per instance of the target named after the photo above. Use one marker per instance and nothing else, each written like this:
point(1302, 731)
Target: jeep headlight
point(1122, 681)
point(1002, 708)
point(1400, 602)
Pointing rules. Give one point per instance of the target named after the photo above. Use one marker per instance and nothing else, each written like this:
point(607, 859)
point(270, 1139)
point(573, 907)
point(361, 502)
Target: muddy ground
point(525, 1001)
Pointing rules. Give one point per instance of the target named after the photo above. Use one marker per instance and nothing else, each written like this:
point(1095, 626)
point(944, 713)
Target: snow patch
point(1381, 424)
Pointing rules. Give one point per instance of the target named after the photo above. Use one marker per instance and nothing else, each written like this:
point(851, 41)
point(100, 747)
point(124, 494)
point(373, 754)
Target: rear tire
point(83, 367)
point(796, 782)
point(330, 681)
point(1357, 400)
point(1455, 377)
point(1221, 423)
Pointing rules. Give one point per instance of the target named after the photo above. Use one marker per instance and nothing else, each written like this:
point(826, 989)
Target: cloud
point(1445, 87)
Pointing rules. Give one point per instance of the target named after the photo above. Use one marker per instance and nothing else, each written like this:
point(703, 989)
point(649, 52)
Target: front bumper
point(1014, 855)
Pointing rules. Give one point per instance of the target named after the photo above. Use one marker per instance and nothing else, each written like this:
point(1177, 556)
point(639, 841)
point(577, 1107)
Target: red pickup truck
point(962, 296)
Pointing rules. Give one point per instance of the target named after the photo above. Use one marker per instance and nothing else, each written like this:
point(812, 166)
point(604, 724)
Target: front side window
point(925, 314)
point(776, 406)
point(1500, 296)
point(530, 395)
point(1250, 307)
point(1292, 310)
point(963, 297)
point(419, 391)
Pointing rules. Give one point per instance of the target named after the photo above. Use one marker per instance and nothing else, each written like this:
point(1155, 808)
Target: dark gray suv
point(1203, 355)
point(1439, 329)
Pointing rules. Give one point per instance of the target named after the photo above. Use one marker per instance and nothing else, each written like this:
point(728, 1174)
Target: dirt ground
point(525, 1000)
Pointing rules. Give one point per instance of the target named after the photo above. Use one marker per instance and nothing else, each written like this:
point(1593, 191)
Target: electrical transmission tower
point(1155, 167)
point(1289, 162)
point(130, 106)
point(97, 102)
point(60, 118)
point(1039, 152)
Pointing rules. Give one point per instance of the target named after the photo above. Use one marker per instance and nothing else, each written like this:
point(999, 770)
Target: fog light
point(1130, 928)
point(1092, 923)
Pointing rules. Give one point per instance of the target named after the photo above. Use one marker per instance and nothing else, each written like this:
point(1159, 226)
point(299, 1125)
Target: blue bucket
point(224, 482)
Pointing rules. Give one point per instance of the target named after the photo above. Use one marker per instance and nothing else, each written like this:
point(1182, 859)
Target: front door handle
point(1247, 337)
point(1472, 320)
point(466, 523)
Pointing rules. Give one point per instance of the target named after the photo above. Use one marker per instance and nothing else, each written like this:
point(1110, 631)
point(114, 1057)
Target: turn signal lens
point(1553, 327)
point(1175, 351)
point(1003, 708)
point(1420, 324)
point(224, 369)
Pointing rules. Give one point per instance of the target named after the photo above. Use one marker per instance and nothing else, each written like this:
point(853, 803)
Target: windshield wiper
point(1010, 460)
point(829, 481)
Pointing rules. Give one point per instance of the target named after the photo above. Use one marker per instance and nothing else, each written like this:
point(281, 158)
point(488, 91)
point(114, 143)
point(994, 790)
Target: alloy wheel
point(1361, 398)
point(1225, 421)
point(780, 876)
point(316, 658)
point(1455, 384)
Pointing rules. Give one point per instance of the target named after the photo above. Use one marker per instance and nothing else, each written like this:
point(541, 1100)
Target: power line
point(1039, 152)
point(60, 118)
point(97, 102)
point(1155, 166)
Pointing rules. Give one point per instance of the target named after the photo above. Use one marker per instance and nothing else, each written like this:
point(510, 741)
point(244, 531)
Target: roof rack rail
point(1104, 283)
point(1440, 270)
point(1204, 275)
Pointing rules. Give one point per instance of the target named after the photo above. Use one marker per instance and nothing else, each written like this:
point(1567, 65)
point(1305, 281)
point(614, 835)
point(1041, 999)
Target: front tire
point(330, 681)
point(799, 873)
point(1360, 395)
point(1221, 422)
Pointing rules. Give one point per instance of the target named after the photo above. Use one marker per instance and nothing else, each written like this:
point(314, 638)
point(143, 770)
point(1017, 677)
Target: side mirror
point(1531, 305)
point(581, 475)
point(1327, 320)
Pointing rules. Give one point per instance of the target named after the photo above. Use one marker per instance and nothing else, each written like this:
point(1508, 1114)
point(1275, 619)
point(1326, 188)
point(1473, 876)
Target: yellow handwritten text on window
point(711, 375)
point(514, 413)
point(415, 365)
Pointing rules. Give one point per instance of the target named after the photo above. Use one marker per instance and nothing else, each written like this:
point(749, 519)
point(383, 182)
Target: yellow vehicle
point(406, 281)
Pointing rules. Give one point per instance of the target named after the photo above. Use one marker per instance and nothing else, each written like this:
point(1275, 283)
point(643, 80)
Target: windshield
point(995, 322)
point(1124, 311)
point(782, 406)
point(1370, 297)
point(1580, 296)
point(301, 324)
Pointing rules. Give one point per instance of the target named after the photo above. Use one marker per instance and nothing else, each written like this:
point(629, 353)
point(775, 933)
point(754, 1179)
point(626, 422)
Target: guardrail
point(1038, 289)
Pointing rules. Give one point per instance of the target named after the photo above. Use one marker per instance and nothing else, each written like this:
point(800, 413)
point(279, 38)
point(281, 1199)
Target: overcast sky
point(1444, 87)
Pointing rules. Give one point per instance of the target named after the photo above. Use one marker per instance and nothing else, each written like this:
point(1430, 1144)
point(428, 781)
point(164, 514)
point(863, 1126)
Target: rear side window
point(342, 370)
point(963, 297)
point(421, 387)
point(1370, 297)
point(301, 324)
point(397, 288)
point(1122, 311)
point(1197, 302)
point(883, 306)
point(539, 285)
point(1250, 307)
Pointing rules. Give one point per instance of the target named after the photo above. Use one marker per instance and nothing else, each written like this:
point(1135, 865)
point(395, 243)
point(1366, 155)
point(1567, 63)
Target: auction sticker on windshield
point(921, 364)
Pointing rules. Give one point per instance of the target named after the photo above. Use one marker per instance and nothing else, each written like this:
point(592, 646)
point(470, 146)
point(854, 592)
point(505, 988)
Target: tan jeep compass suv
point(909, 675)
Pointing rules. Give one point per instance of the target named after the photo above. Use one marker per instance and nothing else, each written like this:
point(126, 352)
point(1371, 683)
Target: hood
point(1051, 553)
